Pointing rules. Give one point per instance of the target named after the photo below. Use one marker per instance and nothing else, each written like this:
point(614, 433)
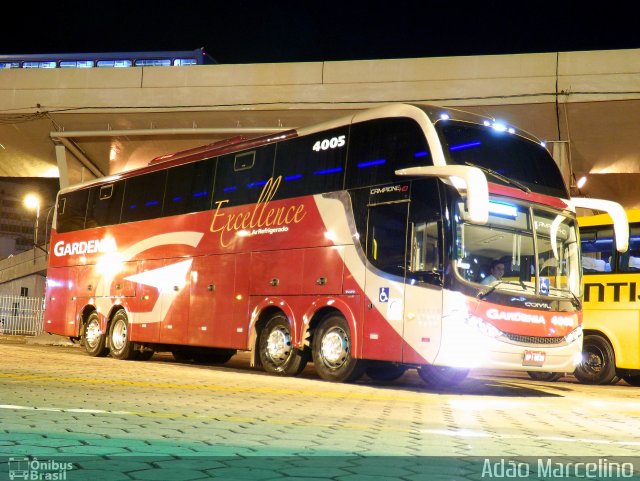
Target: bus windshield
point(508, 155)
point(520, 249)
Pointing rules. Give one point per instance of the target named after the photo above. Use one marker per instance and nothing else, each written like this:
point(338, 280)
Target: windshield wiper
point(503, 178)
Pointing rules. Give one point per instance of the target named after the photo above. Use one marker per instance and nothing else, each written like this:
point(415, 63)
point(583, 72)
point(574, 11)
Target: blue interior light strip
point(328, 171)
point(371, 163)
point(468, 145)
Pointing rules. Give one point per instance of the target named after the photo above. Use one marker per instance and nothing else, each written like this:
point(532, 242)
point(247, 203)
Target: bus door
point(386, 249)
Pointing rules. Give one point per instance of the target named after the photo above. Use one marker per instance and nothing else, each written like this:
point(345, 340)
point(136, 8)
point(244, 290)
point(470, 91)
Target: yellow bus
point(611, 309)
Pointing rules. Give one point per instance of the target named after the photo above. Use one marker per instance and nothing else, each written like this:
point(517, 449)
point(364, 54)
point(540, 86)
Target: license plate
point(534, 358)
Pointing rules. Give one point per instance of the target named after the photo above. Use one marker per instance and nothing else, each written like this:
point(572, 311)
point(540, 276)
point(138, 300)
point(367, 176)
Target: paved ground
point(164, 420)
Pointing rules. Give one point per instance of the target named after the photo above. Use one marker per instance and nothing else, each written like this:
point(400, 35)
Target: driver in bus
point(496, 271)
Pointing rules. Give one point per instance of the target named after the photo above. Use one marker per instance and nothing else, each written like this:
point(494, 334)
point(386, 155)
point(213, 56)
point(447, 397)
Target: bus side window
point(241, 176)
point(597, 250)
point(72, 215)
point(630, 260)
point(386, 237)
point(105, 204)
point(189, 188)
point(312, 164)
point(143, 196)
point(377, 148)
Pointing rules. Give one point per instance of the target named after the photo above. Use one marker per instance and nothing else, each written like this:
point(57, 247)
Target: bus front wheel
point(277, 353)
point(442, 377)
point(332, 355)
point(93, 338)
point(598, 364)
point(121, 346)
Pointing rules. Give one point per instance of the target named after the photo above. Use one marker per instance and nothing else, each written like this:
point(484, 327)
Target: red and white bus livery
point(363, 244)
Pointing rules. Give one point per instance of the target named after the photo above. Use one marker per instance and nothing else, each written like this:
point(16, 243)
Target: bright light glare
point(581, 182)
point(32, 201)
point(444, 116)
point(499, 127)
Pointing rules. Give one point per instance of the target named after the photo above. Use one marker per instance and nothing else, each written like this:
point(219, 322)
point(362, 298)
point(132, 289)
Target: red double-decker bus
point(365, 244)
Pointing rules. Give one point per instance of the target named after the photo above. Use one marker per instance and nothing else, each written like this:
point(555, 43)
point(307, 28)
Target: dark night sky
point(243, 31)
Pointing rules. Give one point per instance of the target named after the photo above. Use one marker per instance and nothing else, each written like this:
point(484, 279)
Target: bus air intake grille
point(533, 339)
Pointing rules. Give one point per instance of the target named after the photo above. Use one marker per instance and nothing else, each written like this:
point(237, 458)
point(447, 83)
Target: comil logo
point(62, 248)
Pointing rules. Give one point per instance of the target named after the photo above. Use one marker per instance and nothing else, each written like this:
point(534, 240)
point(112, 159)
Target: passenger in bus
point(496, 271)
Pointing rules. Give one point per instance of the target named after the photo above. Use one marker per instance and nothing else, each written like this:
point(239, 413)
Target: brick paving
point(162, 420)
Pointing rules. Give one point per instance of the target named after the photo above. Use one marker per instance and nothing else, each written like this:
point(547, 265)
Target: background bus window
point(312, 164)
point(597, 250)
point(630, 260)
point(243, 186)
point(378, 148)
point(189, 188)
point(105, 204)
point(71, 217)
point(143, 197)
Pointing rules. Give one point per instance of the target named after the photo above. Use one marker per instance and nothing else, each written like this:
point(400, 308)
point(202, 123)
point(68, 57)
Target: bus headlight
point(574, 335)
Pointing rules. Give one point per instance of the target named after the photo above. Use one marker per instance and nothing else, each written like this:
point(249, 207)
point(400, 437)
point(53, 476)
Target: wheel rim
point(279, 345)
point(595, 360)
point(119, 336)
point(335, 348)
point(92, 333)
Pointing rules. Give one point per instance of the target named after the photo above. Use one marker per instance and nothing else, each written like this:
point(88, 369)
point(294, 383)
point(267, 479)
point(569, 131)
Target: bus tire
point(93, 338)
point(442, 377)
point(121, 346)
point(277, 353)
point(598, 364)
point(331, 349)
point(632, 380)
point(385, 372)
point(545, 376)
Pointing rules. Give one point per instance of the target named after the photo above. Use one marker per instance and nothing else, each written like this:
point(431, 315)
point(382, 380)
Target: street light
point(32, 201)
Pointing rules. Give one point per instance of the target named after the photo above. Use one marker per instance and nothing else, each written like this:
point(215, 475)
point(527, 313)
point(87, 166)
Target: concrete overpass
point(83, 123)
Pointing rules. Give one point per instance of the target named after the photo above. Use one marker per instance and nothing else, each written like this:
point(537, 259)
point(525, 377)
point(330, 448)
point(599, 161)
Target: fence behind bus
point(21, 315)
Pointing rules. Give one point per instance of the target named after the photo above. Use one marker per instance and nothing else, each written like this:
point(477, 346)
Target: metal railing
point(21, 315)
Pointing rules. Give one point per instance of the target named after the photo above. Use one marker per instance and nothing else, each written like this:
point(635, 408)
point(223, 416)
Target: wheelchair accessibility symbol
point(383, 295)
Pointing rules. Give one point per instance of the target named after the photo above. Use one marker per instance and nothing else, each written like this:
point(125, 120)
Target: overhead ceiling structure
point(85, 123)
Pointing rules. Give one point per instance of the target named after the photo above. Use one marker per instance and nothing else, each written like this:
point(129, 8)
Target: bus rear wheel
point(598, 364)
point(332, 355)
point(545, 376)
point(121, 346)
point(277, 353)
point(93, 338)
point(442, 377)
